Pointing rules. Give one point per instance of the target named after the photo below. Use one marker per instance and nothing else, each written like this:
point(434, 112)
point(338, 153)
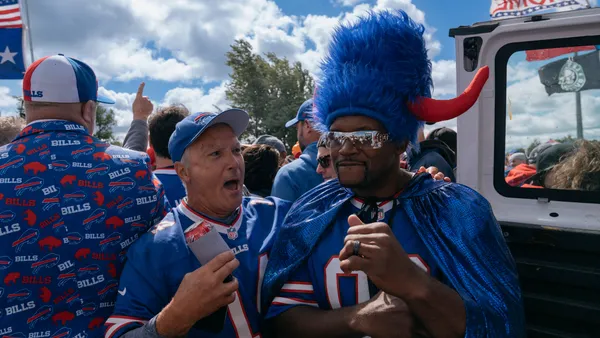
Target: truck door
point(531, 146)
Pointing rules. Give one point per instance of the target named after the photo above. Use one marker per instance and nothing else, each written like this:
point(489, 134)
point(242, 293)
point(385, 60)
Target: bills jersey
point(321, 283)
point(174, 189)
point(158, 262)
point(70, 206)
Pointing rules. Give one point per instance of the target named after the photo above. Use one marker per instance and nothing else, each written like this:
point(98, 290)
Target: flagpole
point(578, 114)
point(28, 28)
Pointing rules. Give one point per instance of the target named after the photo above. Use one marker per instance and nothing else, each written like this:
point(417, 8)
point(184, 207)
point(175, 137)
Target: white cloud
point(348, 3)
point(122, 107)
point(7, 102)
point(196, 99)
point(519, 71)
point(131, 60)
point(183, 41)
point(444, 78)
point(535, 115)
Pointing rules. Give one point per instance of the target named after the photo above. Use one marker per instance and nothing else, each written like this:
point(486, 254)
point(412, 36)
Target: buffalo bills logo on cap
point(202, 115)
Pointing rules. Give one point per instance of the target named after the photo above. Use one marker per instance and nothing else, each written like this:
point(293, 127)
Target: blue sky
point(178, 47)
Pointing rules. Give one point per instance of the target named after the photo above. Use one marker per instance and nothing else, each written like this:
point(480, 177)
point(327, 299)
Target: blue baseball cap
point(61, 79)
point(190, 128)
point(304, 113)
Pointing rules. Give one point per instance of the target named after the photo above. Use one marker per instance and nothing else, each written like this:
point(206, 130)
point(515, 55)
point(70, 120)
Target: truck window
point(548, 120)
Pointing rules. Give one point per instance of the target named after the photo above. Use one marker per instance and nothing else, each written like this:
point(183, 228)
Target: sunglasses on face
point(324, 161)
point(364, 139)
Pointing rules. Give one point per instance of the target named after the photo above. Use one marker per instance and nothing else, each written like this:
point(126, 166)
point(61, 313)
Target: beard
point(356, 182)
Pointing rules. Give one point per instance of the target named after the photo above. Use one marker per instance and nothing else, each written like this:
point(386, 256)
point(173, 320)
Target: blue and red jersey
point(70, 206)
point(320, 282)
point(158, 261)
point(174, 189)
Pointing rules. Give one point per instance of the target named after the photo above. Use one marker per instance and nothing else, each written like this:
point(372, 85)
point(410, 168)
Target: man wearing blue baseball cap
point(164, 290)
point(301, 175)
point(70, 206)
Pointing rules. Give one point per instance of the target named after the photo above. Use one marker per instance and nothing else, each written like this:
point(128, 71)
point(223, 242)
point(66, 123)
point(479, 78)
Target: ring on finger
point(355, 247)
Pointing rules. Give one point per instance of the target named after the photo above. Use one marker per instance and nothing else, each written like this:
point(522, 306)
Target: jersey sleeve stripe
point(115, 323)
point(297, 287)
point(293, 301)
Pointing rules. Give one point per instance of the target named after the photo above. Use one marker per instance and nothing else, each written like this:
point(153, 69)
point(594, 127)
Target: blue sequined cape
point(456, 224)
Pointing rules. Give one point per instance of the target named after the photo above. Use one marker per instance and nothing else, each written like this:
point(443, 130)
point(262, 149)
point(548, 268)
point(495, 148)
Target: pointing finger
point(140, 91)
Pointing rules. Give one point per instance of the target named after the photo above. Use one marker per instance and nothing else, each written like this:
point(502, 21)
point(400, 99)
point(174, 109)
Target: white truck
point(554, 235)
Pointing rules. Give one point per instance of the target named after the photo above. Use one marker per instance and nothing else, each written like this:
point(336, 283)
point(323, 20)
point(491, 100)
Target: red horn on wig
point(432, 110)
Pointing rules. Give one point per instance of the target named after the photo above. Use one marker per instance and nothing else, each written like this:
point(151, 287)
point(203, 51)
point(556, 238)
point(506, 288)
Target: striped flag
point(502, 9)
point(10, 14)
point(12, 65)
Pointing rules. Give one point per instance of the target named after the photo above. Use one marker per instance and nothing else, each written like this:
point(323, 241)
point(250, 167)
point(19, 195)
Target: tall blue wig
point(373, 68)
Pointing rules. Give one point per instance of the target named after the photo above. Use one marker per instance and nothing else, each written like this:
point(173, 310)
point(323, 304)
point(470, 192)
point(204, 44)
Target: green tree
point(269, 88)
point(20, 106)
point(566, 139)
point(105, 122)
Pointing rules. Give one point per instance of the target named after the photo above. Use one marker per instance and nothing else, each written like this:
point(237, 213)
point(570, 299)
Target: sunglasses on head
point(364, 139)
point(324, 161)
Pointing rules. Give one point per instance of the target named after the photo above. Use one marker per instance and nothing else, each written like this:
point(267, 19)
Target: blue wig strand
point(373, 68)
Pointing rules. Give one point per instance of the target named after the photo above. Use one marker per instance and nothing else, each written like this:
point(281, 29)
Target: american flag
point(10, 14)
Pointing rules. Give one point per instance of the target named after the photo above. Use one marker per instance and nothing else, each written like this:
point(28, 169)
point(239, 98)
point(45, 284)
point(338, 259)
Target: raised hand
point(142, 106)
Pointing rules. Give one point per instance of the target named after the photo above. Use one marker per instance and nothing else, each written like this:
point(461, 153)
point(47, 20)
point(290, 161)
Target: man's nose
point(234, 162)
point(347, 148)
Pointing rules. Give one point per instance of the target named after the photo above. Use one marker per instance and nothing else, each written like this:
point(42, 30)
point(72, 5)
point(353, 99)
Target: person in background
point(162, 124)
point(446, 135)
point(516, 159)
point(296, 151)
point(433, 152)
point(299, 176)
point(546, 161)
point(275, 143)
point(579, 170)
point(137, 135)
point(152, 155)
point(534, 154)
point(520, 170)
point(324, 165)
point(382, 252)
point(70, 207)
point(164, 290)
point(10, 127)
point(261, 162)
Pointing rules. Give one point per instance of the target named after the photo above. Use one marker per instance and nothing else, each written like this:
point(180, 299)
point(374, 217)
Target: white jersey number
point(236, 311)
point(333, 272)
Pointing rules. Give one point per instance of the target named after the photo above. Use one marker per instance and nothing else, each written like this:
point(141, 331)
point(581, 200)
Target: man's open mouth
point(233, 185)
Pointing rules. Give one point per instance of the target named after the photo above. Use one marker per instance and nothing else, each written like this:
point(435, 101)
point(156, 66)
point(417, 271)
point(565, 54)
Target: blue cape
point(455, 223)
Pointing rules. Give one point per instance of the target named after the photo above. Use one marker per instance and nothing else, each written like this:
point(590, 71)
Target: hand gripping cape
point(378, 67)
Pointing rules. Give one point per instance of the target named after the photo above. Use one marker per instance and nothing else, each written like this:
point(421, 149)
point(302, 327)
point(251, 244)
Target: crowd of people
point(349, 236)
point(554, 165)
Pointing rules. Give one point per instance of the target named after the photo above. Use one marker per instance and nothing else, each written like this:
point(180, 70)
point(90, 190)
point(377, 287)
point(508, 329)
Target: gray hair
point(518, 156)
point(10, 127)
point(271, 141)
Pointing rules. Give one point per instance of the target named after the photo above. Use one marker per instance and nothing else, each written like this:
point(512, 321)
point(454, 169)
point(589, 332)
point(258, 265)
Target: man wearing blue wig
point(381, 252)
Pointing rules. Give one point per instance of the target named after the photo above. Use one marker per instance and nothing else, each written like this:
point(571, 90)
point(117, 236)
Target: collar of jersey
point(384, 205)
point(184, 209)
point(165, 171)
point(44, 126)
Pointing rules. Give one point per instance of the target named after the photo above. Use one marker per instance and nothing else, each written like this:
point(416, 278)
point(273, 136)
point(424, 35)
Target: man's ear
point(182, 172)
point(88, 114)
